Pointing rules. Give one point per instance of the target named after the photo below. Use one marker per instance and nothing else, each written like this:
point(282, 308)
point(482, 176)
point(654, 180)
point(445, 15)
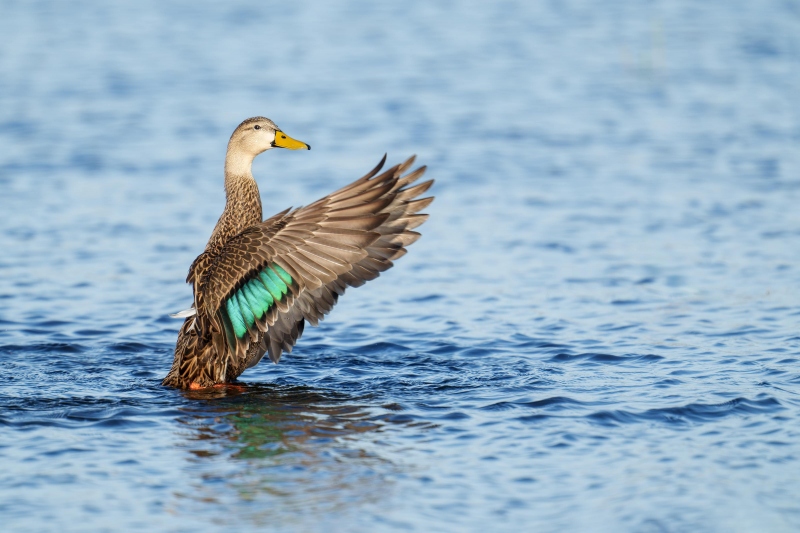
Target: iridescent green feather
point(282, 273)
point(277, 281)
point(273, 289)
point(228, 327)
point(247, 313)
point(255, 298)
point(254, 302)
point(262, 293)
point(235, 316)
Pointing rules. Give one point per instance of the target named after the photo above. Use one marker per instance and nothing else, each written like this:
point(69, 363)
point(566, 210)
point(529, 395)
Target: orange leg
point(196, 386)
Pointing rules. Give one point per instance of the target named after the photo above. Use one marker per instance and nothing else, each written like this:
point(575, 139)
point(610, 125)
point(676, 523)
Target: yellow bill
point(284, 141)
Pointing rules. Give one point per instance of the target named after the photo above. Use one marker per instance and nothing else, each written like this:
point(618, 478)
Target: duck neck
point(242, 201)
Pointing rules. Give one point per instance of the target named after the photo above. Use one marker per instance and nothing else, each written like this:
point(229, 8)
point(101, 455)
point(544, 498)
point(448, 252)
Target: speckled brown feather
point(341, 240)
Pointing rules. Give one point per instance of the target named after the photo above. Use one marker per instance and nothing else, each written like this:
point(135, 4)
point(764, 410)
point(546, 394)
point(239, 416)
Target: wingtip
point(406, 164)
point(381, 163)
point(375, 170)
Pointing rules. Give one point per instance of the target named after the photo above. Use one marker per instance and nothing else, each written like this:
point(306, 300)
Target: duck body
point(259, 281)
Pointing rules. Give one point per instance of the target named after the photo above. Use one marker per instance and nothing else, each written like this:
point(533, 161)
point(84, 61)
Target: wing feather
point(315, 252)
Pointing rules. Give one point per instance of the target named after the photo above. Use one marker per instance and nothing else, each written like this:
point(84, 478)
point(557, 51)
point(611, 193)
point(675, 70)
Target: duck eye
point(257, 127)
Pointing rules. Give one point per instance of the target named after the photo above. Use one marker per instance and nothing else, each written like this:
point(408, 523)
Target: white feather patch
point(185, 313)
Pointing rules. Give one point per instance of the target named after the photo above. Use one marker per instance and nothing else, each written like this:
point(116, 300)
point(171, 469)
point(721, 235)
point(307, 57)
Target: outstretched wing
point(255, 295)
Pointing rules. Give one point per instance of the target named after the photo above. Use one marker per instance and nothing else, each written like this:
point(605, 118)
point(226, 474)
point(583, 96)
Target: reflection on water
point(285, 450)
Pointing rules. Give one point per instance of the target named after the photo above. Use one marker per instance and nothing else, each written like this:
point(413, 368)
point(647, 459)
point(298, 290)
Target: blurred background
point(598, 330)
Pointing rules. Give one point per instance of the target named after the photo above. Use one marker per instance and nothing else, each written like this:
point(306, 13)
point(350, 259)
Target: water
point(598, 331)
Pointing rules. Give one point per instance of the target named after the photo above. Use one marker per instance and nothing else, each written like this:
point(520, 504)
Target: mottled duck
point(258, 281)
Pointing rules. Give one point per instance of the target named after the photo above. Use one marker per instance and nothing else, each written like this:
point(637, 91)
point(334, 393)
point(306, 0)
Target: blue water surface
point(599, 330)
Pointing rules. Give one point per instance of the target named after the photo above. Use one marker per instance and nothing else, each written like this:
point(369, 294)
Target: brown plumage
point(258, 282)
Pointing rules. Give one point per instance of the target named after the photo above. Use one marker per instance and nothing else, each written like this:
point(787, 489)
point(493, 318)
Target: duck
point(258, 282)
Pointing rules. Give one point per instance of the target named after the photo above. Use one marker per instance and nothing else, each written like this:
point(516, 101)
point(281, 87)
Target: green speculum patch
point(255, 298)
